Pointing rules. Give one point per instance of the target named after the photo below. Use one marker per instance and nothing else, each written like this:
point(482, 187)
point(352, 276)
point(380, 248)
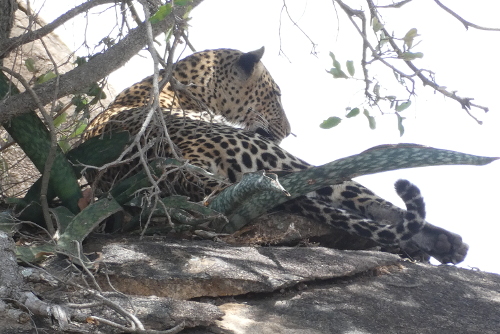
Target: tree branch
point(14, 42)
point(97, 68)
point(7, 10)
point(396, 5)
point(466, 23)
point(465, 102)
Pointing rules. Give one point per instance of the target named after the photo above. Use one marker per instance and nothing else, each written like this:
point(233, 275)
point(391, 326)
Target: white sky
point(462, 199)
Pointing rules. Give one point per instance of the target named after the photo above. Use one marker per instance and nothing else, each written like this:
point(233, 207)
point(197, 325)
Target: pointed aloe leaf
point(63, 217)
point(98, 151)
point(7, 222)
point(85, 222)
point(35, 253)
point(34, 139)
point(178, 208)
point(375, 160)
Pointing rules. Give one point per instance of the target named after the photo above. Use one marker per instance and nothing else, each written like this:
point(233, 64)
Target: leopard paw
point(443, 245)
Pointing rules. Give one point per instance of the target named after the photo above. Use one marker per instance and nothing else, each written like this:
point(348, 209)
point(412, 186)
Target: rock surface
point(244, 290)
point(329, 292)
point(417, 298)
point(162, 267)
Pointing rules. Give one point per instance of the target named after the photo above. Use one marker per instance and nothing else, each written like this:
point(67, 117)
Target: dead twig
point(466, 23)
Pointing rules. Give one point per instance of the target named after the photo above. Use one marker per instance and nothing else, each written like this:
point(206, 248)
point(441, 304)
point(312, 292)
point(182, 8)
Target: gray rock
point(266, 290)
point(189, 269)
point(417, 298)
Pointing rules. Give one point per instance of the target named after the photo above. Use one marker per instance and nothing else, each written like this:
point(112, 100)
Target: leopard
point(222, 111)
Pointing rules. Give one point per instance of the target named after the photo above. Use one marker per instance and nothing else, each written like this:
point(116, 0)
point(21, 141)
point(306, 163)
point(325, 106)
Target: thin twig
point(466, 23)
point(51, 156)
point(94, 70)
point(465, 102)
point(82, 263)
point(395, 5)
point(314, 45)
point(31, 36)
point(154, 104)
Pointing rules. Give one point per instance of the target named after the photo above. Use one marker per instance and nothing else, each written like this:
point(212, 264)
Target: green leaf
point(377, 26)
point(410, 35)
point(45, 77)
point(396, 75)
point(337, 73)
point(350, 67)
point(96, 90)
point(376, 90)
point(186, 13)
point(181, 2)
point(352, 113)
point(162, 13)
point(372, 123)
point(60, 119)
point(330, 122)
point(383, 40)
point(64, 145)
point(30, 65)
point(336, 64)
point(332, 56)
point(401, 128)
point(79, 130)
point(80, 61)
point(80, 102)
point(411, 55)
point(403, 106)
point(371, 120)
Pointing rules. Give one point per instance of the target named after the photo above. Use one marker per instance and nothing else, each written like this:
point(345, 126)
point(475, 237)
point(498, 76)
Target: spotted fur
point(222, 89)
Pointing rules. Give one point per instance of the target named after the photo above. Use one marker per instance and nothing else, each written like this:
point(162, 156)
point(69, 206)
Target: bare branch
point(12, 43)
point(7, 10)
point(366, 43)
point(396, 5)
point(97, 68)
point(466, 23)
point(464, 101)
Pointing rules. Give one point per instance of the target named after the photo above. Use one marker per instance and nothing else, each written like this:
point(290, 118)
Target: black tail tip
point(402, 185)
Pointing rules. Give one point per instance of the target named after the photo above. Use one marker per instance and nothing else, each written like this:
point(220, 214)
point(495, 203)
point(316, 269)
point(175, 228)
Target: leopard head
point(236, 86)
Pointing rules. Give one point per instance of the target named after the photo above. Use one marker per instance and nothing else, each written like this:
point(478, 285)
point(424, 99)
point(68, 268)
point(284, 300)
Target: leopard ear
point(248, 60)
